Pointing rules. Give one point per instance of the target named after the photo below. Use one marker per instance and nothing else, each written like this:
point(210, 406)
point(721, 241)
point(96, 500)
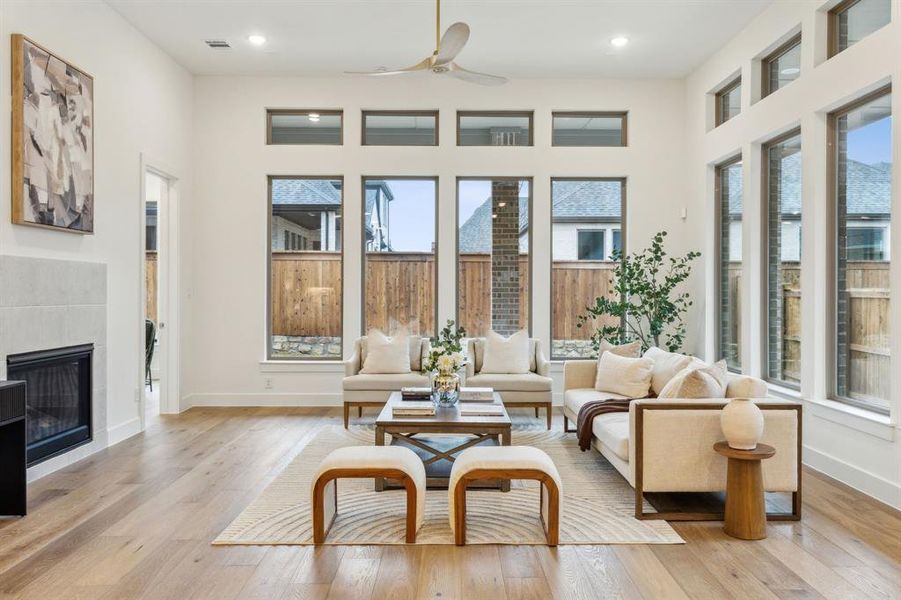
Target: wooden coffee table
point(439, 438)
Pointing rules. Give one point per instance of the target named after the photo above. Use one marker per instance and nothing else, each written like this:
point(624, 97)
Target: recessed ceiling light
point(790, 71)
point(256, 39)
point(619, 41)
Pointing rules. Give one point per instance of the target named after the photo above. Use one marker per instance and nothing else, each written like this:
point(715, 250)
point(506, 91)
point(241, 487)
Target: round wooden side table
point(745, 509)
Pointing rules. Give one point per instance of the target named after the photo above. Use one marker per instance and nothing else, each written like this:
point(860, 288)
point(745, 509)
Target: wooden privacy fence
point(150, 277)
point(868, 294)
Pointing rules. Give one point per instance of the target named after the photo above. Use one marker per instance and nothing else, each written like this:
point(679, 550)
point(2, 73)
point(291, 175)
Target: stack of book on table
point(476, 394)
point(424, 408)
point(416, 394)
point(480, 409)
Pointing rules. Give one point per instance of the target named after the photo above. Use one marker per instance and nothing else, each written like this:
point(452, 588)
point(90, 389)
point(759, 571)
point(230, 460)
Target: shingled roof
point(869, 188)
point(573, 200)
point(314, 192)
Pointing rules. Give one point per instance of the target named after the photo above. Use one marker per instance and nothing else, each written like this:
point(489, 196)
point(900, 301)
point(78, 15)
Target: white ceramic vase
point(742, 424)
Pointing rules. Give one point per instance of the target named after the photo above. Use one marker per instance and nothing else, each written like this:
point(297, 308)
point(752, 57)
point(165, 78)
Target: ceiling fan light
point(619, 41)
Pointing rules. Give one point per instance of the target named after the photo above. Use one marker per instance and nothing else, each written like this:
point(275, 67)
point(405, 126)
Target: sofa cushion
point(692, 383)
point(389, 382)
point(575, 399)
point(505, 382)
point(478, 354)
point(666, 366)
point(630, 350)
point(745, 386)
point(387, 354)
point(612, 430)
point(620, 375)
point(506, 354)
point(416, 350)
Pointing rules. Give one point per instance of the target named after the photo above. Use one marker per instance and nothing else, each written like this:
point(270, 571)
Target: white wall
point(857, 447)
point(143, 104)
point(226, 318)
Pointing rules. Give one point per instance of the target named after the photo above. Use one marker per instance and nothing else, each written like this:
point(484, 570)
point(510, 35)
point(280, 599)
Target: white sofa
point(532, 389)
point(372, 390)
point(666, 445)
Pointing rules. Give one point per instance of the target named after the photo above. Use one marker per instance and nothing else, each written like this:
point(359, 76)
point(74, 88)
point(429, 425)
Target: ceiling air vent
point(217, 43)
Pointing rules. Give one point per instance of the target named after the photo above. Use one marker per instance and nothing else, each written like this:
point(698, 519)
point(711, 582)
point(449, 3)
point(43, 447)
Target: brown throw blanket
point(592, 409)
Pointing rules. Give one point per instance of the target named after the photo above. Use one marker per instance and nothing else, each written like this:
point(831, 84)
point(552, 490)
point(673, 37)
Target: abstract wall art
point(52, 140)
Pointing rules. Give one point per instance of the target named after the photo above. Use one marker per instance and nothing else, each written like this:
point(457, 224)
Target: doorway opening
point(157, 285)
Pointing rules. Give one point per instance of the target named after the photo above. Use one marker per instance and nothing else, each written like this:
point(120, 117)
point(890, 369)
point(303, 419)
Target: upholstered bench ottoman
point(505, 462)
point(358, 462)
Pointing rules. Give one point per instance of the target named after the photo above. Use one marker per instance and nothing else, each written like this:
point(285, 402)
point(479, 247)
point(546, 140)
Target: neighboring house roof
point(314, 192)
point(869, 188)
point(597, 201)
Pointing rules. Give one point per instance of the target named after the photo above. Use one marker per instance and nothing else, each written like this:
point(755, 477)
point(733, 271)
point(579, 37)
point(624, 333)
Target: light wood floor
point(136, 521)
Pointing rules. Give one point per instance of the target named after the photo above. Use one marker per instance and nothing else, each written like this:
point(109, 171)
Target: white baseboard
point(123, 431)
point(312, 400)
point(879, 488)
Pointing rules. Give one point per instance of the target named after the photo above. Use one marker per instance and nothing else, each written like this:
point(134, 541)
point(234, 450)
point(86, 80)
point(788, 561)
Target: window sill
point(301, 366)
point(871, 423)
point(786, 393)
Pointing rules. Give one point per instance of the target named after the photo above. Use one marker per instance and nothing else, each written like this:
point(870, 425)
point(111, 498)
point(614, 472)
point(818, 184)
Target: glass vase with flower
point(444, 361)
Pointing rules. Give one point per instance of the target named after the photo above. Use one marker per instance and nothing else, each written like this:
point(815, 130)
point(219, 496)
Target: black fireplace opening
point(57, 399)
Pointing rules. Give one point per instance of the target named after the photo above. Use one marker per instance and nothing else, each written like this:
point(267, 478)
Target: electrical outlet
point(267, 383)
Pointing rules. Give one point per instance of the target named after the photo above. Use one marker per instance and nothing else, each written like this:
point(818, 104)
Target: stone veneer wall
point(505, 257)
point(47, 303)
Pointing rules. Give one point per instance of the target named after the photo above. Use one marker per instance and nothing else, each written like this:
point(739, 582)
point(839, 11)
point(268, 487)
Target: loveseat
point(666, 445)
point(362, 390)
point(532, 389)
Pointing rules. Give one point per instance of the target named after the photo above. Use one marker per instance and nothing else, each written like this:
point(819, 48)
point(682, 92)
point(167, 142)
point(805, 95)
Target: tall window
point(587, 224)
point(782, 164)
point(729, 198)
point(782, 66)
point(852, 20)
point(728, 101)
point(399, 237)
point(305, 267)
point(862, 163)
point(493, 263)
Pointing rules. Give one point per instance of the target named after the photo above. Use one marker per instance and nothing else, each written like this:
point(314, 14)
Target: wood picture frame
point(52, 140)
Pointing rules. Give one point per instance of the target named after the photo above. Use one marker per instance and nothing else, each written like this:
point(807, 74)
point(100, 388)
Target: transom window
point(400, 128)
point(303, 127)
point(589, 129)
point(853, 20)
point(782, 66)
point(728, 101)
point(494, 128)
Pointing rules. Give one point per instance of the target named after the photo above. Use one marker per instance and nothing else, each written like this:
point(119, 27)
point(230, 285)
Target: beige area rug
point(597, 504)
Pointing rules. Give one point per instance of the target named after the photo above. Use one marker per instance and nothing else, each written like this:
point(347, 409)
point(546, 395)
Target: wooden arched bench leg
point(550, 500)
point(325, 495)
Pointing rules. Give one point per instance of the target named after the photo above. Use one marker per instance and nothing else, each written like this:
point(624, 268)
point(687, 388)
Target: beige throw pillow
point(386, 355)
point(630, 377)
point(630, 350)
point(697, 381)
point(506, 355)
point(666, 366)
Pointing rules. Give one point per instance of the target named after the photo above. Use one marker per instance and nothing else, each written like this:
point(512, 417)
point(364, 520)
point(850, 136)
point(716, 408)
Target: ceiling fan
point(441, 62)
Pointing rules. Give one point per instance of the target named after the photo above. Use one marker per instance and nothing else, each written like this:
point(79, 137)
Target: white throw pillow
point(666, 366)
point(630, 350)
point(386, 355)
point(506, 355)
point(692, 384)
point(630, 377)
point(745, 386)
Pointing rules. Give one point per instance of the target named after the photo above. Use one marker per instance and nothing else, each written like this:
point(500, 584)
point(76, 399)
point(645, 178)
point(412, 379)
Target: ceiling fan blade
point(420, 66)
point(475, 77)
point(452, 43)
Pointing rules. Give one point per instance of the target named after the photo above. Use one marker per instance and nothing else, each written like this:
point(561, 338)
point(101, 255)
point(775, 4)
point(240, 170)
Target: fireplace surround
point(58, 398)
